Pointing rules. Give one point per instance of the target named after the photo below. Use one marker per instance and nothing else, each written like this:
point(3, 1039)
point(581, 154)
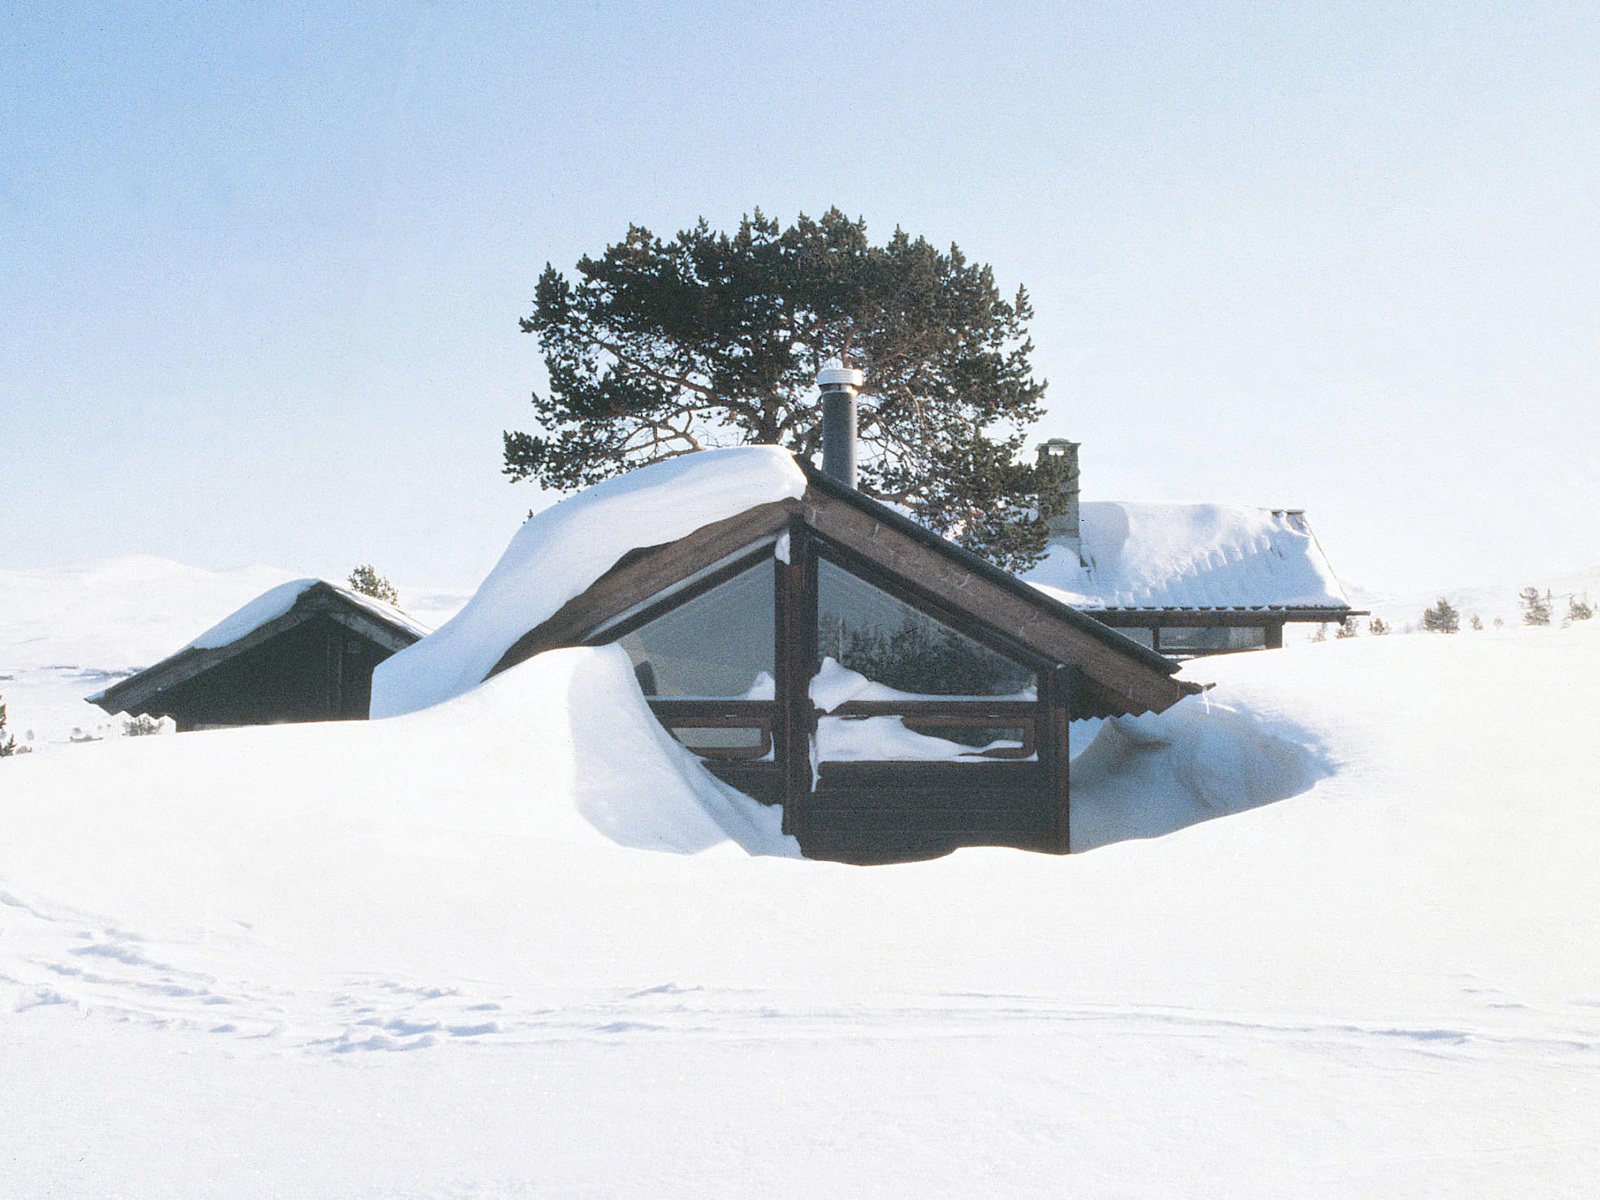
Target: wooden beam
point(797, 662)
point(1056, 750)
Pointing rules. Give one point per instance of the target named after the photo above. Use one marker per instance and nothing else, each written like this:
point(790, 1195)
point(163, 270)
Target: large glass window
point(718, 645)
point(865, 629)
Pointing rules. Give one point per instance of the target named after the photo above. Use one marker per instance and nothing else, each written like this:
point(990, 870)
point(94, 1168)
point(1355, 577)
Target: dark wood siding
point(317, 671)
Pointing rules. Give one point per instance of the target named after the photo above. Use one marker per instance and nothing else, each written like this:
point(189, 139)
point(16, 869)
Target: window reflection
point(867, 630)
point(717, 645)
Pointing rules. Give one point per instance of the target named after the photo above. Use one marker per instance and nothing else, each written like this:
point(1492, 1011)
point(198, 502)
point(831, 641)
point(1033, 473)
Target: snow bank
point(1384, 985)
point(1142, 777)
point(561, 749)
point(1189, 556)
point(559, 552)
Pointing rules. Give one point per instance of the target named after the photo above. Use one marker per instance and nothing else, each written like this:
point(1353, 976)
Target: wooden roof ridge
point(320, 598)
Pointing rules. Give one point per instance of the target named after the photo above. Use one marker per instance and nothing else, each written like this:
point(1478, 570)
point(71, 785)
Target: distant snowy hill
point(66, 632)
point(513, 945)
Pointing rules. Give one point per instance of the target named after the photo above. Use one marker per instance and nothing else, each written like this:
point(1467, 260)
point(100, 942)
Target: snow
point(559, 552)
point(1333, 934)
point(1189, 556)
point(882, 738)
point(272, 604)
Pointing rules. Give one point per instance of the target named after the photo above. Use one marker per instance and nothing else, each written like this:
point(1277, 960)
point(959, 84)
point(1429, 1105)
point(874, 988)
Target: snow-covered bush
point(1347, 629)
point(1579, 610)
point(1377, 627)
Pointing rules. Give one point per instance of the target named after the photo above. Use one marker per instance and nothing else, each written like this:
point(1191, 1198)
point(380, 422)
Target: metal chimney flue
point(839, 387)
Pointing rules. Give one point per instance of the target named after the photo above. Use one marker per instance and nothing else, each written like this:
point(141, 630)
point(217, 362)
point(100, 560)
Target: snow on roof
point(559, 552)
point(1190, 556)
point(272, 604)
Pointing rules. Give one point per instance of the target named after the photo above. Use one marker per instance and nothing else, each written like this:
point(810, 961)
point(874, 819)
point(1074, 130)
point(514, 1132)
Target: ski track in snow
point(106, 973)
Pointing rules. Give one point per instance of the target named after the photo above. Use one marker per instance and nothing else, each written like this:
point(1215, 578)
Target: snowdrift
point(560, 749)
point(1384, 984)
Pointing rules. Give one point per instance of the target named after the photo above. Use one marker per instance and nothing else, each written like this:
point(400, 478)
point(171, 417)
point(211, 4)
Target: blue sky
point(261, 268)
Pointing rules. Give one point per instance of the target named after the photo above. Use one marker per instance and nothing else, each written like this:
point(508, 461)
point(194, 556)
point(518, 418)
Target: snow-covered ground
point(511, 946)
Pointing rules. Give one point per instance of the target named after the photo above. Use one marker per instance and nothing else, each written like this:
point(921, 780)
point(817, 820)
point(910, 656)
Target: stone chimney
point(1064, 527)
point(839, 387)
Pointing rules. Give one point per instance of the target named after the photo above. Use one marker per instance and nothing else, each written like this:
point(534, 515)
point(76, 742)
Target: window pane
point(867, 630)
point(1193, 637)
point(718, 645)
point(1216, 637)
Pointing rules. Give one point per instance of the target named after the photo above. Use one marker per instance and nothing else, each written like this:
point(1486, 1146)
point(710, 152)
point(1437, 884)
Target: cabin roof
point(1120, 676)
point(269, 614)
point(1143, 557)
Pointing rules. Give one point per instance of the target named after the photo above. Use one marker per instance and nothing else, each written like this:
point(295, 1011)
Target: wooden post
point(1274, 635)
point(1056, 748)
point(334, 695)
point(796, 663)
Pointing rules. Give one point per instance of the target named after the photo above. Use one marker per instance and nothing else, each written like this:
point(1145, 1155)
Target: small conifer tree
point(1321, 635)
point(8, 744)
point(366, 580)
point(1347, 629)
point(1535, 608)
point(1476, 622)
point(1441, 618)
point(1377, 627)
point(1579, 610)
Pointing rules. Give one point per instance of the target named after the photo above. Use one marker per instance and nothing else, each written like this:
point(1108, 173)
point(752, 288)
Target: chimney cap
point(840, 376)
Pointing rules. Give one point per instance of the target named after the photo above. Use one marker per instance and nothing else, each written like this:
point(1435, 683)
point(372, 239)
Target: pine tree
point(1377, 627)
point(366, 580)
point(1347, 629)
point(1441, 618)
point(1535, 608)
point(661, 348)
point(1579, 610)
point(1476, 622)
point(8, 744)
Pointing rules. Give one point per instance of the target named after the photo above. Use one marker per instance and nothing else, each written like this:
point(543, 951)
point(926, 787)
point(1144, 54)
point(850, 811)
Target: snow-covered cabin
point(897, 695)
point(1187, 579)
point(302, 651)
